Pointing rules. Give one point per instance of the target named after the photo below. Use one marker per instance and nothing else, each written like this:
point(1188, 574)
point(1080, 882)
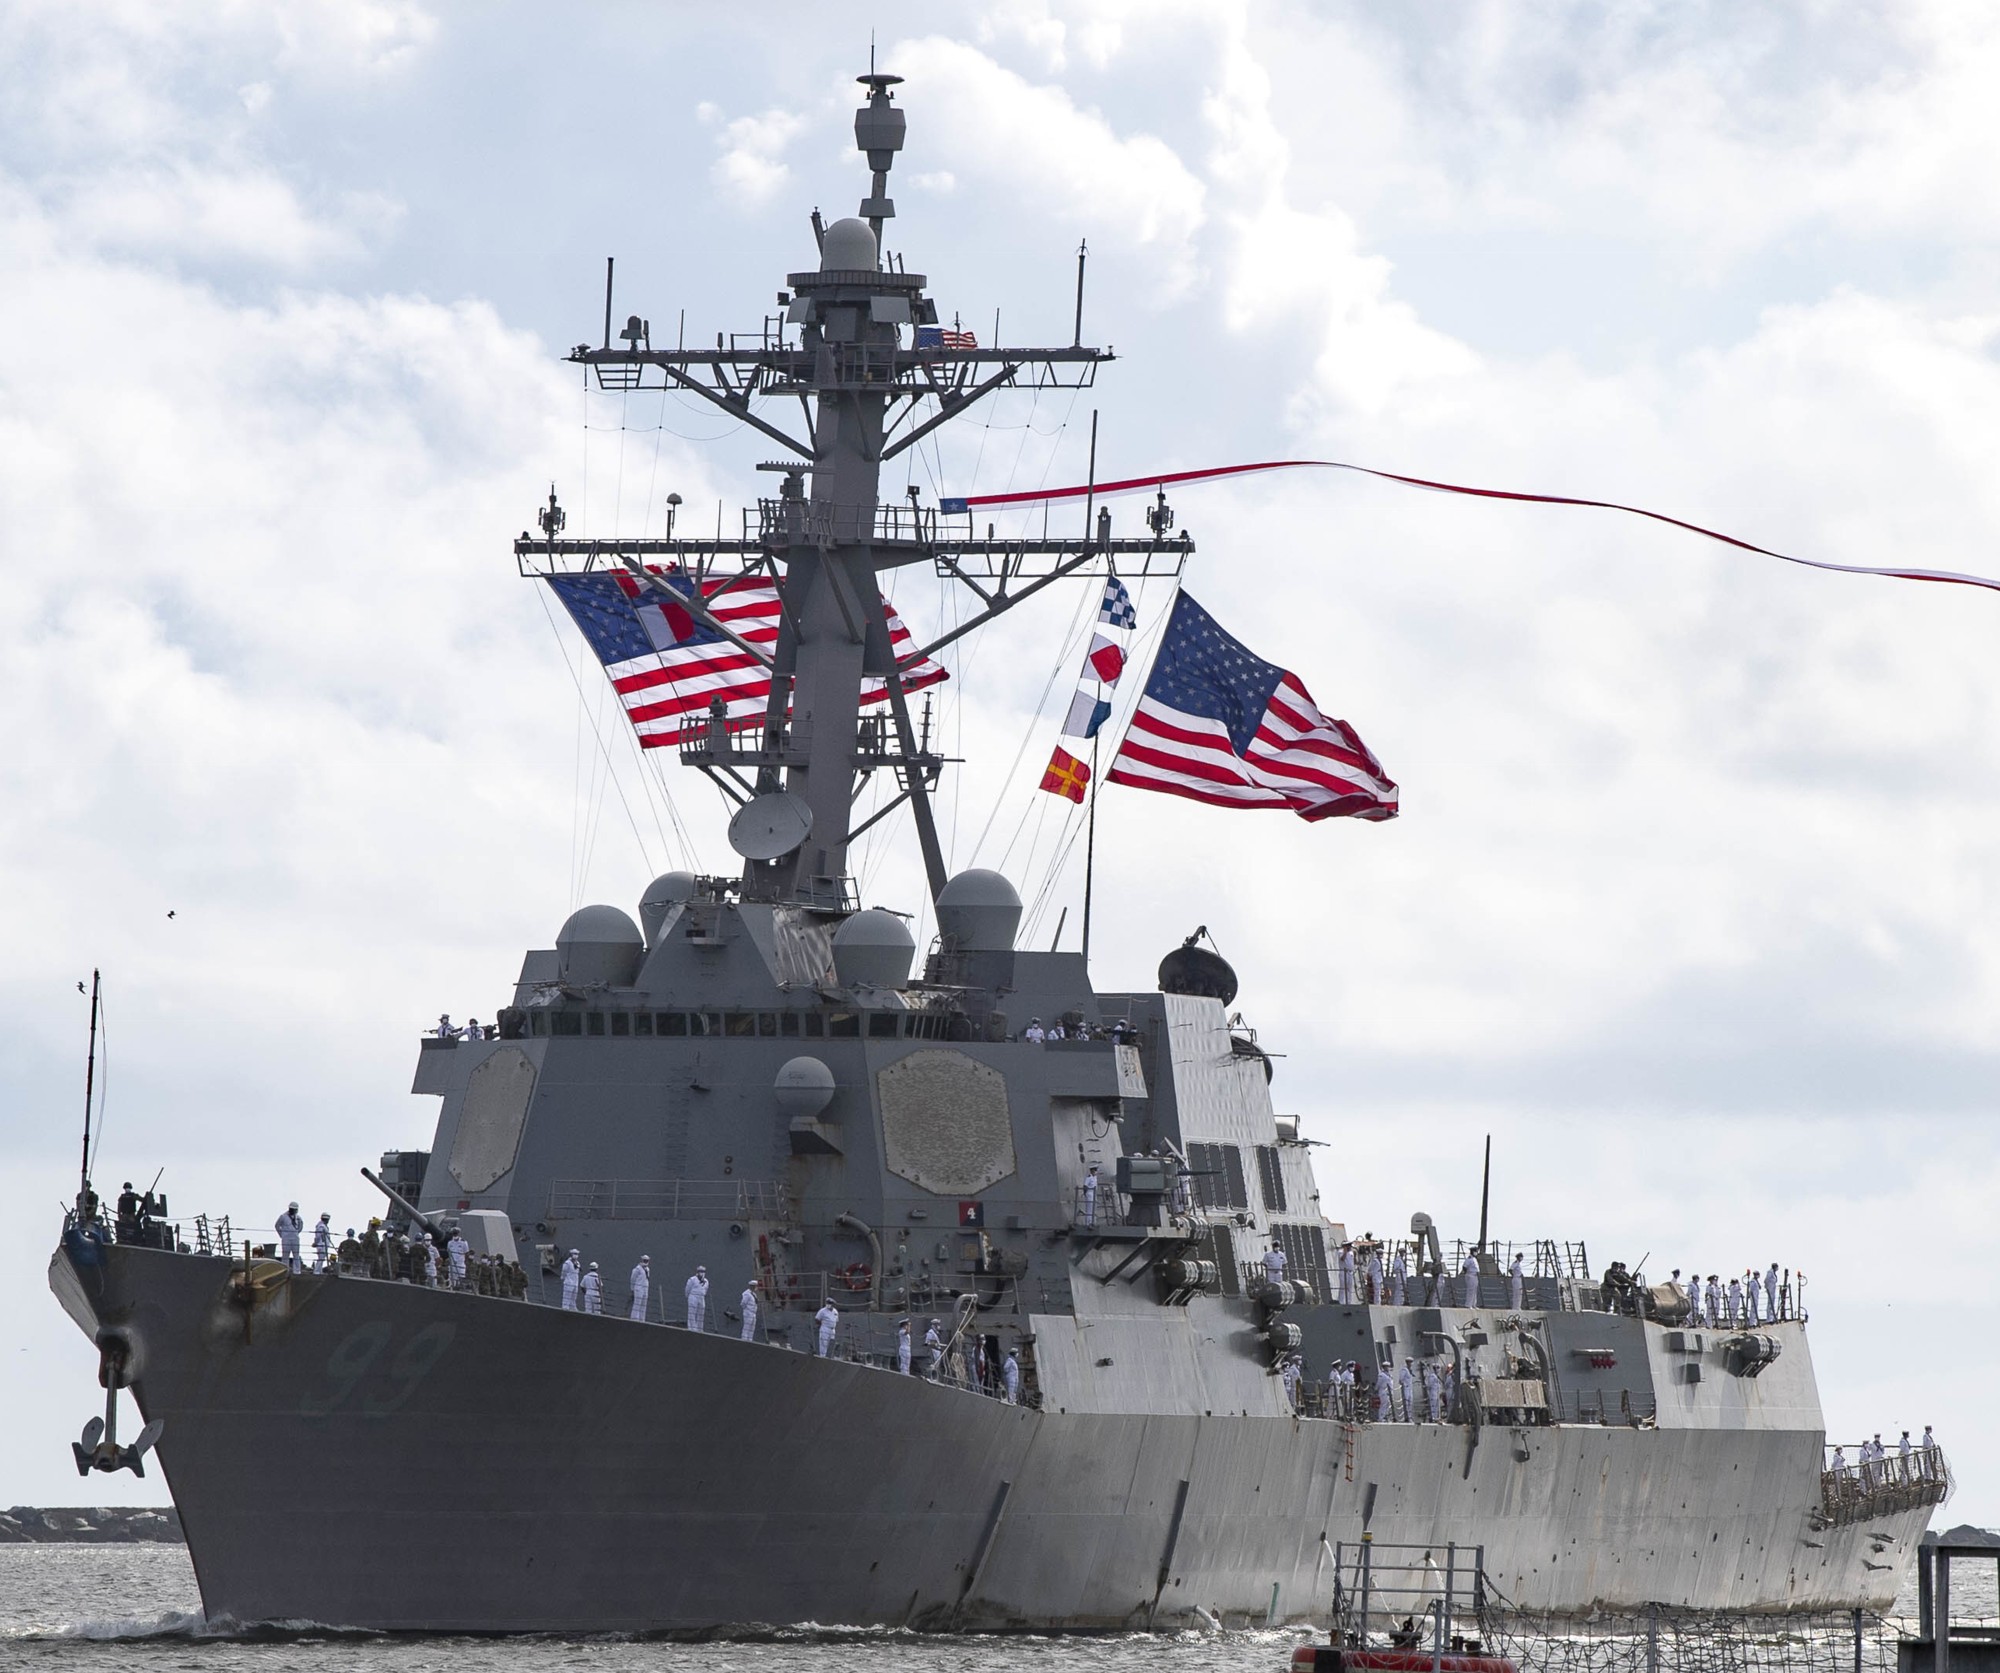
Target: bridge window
point(621, 1023)
point(672, 1022)
point(593, 1022)
point(882, 1025)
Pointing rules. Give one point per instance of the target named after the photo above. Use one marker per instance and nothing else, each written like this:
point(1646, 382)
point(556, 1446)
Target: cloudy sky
point(1692, 904)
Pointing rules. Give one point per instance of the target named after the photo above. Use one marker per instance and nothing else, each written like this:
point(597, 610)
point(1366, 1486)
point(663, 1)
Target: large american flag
point(1217, 724)
point(666, 664)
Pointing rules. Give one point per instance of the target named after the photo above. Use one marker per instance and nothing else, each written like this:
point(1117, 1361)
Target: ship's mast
point(863, 383)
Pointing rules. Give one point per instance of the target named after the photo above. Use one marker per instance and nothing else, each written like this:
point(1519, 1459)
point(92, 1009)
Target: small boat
point(1334, 1658)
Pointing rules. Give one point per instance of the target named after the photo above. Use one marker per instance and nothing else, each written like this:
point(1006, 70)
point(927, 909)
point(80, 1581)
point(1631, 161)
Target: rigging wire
point(582, 709)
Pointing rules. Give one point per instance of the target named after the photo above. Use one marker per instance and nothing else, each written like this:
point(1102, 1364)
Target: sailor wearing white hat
point(322, 1242)
point(289, 1227)
point(828, 1320)
point(746, 1310)
point(696, 1291)
point(593, 1290)
point(572, 1271)
point(642, 1286)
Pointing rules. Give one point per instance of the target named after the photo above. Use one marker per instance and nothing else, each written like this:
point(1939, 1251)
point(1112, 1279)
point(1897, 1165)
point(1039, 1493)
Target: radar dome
point(804, 1086)
point(873, 949)
point(1197, 970)
point(848, 247)
point(978, 912)
point(599, 945)
point(662, 895)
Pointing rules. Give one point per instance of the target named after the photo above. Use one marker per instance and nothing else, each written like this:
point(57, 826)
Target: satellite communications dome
point(848, 247)
point(804, 1086)
point(873, 949)
point(662, 894)
point(979, 912)
point(599, 944)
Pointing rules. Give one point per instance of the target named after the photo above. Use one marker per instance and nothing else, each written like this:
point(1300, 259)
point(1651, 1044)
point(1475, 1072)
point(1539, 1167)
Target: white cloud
point(751, 168)
point(1055, 159)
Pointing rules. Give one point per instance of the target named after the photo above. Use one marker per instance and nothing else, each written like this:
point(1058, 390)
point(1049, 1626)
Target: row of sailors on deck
point(1361, 1278)
point(1120, 1032)
point(1873, 1468)
point(583, 1292)
point(1737, 1303)
point(412, 1257)
point(471, 1031)
point(1418, 1393)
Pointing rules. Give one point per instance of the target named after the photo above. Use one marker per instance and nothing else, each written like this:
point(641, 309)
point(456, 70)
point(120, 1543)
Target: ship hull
point(375, 1455)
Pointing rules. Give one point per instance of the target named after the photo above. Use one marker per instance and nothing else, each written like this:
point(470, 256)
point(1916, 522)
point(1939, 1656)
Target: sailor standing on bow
point(1735, 1302)
point(934, 1347)
point(572, 1273)
point(593, 1290)
point(903, 1346)
point(828, 1320)
point(697, 1299)
point(746, 1310)
point(322, 1242)
point(1750, 1295)
point(455, 1252)
point(289, 1227)
point(642, 1286)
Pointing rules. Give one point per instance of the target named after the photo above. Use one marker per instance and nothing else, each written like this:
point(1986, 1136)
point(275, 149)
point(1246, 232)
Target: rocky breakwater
point(85, 1525)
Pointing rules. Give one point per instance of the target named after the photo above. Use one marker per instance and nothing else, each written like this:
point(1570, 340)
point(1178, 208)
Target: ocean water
point(82, 1607)
point(126, 1607)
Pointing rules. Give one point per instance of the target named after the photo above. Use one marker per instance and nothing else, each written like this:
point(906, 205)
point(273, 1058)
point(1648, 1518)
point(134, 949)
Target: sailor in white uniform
point(934, 1346)
point(1033, 1033)
point(572, 1271)
point(1735, 1302)
point(1274, 1264)
point(289, 1227)
point(1433, 1394)
point(322, 1242)
point(642, 1286)
point(1376, 1293)
point(1517, 1284)
point(1010, 1378)
point(1090, 1197)
point(1711, 1310)
point(828, 1320)
point(697, 1299)
point(1406, 1385)
point(593, 1290)
point(746, 1310)
point(1750, 1296)
point(1288, 1374)
point(455, 1252)
point(1385, 1396)
point(1469, 1282)
point(1399, 1279)
point(1771, 1293)
point(903, 1346)
point(1346, 1269)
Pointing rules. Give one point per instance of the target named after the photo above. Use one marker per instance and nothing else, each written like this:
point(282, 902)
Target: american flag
point(1217, 724)
point(666, 664)
point(945, 337)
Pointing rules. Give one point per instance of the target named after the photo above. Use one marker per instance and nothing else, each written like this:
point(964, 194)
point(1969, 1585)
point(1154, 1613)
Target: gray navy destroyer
point(1115, 1412)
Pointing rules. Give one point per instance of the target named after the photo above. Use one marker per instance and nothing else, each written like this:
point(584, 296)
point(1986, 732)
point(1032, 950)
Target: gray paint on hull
point(551, 1471)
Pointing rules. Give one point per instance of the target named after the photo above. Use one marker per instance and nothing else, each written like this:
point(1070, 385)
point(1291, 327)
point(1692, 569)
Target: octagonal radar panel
point(770, 826)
